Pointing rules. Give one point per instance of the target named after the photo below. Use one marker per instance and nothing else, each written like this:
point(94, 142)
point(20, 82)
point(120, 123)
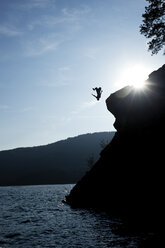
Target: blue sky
point(52, 52)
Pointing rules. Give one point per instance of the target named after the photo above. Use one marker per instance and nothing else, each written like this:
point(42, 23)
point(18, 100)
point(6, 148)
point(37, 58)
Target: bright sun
point(134, 75)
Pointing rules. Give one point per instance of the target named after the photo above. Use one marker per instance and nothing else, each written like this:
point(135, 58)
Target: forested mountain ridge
point(65, 161)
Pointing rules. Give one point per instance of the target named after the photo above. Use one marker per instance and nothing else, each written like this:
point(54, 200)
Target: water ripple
point(34, 216)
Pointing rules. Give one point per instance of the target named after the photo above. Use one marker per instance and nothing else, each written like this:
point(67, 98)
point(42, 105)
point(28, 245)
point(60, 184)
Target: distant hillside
point(65, 161)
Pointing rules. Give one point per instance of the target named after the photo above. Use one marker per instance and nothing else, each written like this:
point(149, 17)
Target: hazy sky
point(52, 52)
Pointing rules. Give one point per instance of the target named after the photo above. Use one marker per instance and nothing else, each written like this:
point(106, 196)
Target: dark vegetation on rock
point(128, 179)
point(65, 161)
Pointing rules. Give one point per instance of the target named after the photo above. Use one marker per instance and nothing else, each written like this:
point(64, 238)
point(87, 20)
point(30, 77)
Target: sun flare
point(134, 76)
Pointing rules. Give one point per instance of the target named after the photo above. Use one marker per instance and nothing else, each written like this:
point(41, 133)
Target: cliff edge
point(128, 179)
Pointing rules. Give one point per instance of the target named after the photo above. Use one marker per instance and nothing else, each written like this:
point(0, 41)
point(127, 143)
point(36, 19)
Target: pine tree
point(153, 26)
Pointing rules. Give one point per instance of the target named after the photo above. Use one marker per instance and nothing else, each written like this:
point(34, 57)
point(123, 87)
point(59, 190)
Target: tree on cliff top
point(153, 26)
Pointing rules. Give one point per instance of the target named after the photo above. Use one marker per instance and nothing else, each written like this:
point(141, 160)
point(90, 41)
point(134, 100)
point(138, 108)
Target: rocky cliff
point(128, 179)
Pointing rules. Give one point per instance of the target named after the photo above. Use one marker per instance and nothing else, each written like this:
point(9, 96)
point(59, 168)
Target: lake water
point(34, 216)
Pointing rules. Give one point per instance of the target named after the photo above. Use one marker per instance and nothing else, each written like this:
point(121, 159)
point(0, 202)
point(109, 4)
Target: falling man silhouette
point(98, 91)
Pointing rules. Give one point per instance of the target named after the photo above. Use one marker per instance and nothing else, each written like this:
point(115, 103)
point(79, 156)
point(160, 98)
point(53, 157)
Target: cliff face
point(134, 108)
point(128, 179)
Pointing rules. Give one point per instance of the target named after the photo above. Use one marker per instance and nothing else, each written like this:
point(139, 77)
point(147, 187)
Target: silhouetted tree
point(153, 26)
point(90, 161)
point(103, 143)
